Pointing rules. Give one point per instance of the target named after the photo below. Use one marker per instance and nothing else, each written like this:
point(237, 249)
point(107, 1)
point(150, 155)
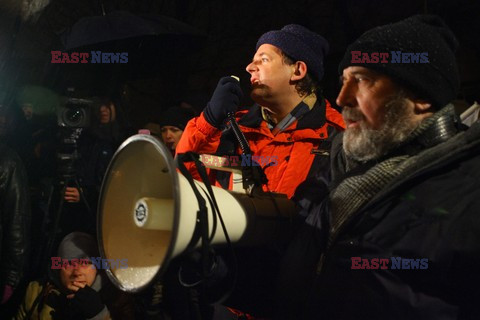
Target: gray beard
point(364, 144)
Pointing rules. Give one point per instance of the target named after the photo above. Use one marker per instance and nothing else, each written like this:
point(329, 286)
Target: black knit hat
point(176, 117)
point(300, 44)
point(437, 80)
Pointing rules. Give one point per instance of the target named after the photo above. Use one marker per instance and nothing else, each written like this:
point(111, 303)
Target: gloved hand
point(88, 302)
point(225, 99)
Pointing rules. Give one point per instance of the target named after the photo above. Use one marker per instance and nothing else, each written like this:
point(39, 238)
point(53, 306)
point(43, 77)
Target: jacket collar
point(313, 119)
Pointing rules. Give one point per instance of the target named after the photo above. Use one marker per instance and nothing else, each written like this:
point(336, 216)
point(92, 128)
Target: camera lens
point(74, 116)
point(75, 113)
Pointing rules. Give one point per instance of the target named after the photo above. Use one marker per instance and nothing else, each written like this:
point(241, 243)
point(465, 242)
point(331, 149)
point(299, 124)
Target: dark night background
point(165, 70)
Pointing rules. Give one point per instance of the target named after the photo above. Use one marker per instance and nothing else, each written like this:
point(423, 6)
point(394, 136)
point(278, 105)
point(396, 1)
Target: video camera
point(75, 113)
point(72, 117)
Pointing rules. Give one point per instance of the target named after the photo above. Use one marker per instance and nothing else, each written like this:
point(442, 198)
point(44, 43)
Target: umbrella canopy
point(158, 47)
point(154, 44)
point(120, 25)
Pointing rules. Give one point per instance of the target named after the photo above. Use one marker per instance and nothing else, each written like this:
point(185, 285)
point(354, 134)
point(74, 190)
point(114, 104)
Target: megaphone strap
point(202, 217)
point(203, 174)
point(202, 213)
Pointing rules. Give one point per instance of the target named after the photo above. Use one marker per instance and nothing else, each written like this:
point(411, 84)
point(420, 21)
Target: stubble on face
point(260, 93)
point(362, 143)
point(270, 75)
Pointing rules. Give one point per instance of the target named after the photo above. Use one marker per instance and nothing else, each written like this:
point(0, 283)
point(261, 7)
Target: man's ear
point(300, 71)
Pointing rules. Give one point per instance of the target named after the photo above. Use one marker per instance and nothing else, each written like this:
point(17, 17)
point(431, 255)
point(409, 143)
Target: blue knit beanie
point(300, 44)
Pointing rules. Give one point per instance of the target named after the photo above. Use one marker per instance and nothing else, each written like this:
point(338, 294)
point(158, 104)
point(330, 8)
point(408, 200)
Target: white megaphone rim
point(175, 193)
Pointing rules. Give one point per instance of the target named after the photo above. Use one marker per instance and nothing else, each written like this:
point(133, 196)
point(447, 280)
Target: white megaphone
point(148, 213)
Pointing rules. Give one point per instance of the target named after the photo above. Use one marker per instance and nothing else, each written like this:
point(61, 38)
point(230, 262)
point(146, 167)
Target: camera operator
point(96, 146)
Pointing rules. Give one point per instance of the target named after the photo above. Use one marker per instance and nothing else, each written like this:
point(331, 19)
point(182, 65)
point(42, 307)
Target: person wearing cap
point(398, 236)
point(172, 125)
point(77, 290)
point(290, 120)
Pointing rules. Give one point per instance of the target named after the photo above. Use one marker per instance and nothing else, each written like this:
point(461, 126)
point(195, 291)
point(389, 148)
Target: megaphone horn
point(147, 213)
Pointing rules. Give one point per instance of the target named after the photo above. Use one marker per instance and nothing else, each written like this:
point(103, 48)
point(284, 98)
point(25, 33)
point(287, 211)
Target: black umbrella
point(154, 44)
point(121, 25)
point(157, 46)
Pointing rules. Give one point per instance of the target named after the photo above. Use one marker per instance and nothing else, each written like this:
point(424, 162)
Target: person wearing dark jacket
point(14, 222)
point(398, 236)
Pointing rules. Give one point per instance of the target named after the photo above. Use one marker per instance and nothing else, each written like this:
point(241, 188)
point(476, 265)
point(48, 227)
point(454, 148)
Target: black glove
point(88, 302)
point(225, 99)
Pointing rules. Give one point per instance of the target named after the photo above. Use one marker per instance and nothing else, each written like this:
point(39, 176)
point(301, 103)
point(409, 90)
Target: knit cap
point(77, 245)
point(176, 117)
point(436, 80)
point(300, 44)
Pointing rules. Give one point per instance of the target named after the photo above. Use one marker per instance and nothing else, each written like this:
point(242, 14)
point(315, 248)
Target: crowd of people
point(387, 191)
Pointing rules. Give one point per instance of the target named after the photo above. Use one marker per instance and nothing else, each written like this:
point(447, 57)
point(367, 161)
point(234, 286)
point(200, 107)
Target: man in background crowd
point(172, 125)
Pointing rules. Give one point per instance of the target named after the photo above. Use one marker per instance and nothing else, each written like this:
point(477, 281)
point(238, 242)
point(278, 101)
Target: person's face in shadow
point(74, 277)
point(107, 114)
point(171, 136)
point(27, 111)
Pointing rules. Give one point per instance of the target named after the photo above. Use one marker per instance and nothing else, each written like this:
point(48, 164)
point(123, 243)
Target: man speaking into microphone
point(290, 119)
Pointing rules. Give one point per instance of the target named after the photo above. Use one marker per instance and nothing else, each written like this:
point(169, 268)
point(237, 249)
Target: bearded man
point(398, 235)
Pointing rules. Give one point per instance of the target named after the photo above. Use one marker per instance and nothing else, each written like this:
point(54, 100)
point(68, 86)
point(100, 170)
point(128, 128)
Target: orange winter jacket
point(294, 148)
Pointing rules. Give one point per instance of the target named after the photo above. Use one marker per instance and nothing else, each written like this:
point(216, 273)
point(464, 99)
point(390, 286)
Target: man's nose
point(346, 95)
point(77, 272)
point(251, 67)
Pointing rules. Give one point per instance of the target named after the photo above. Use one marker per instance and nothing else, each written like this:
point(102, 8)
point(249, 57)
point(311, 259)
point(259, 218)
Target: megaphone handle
point(239, 134)
point(250, 173)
